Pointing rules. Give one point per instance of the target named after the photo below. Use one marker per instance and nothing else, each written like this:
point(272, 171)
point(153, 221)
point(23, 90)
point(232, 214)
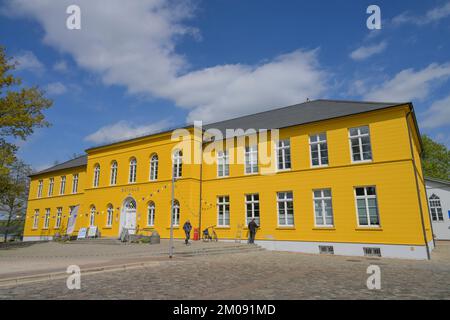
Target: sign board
point(92, 233)
point(82, 233)
point(72, 219)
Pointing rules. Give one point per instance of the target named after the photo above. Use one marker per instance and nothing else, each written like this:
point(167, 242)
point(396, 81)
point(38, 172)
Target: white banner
point(72, 220)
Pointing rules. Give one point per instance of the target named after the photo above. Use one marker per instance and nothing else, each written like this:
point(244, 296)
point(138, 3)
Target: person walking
point(187, 227)
point(252, 226)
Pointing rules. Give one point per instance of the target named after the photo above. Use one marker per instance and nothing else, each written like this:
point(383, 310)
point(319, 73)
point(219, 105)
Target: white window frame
point(46, 219)
point(177, 164)
point(283, 146)
point(436, 208)
point(62, 186)
point(58, 217)
point(92, 216)
point(252, 202)
point(75, 183)
point(284, 201)
point(223, 205)
point(322, 200)
point(113, 174)
point(176, 213)
point(96, 175)
point(133, 171)
point(40, 187)
point(359, 137)
point(154, 161)
point(151, 208)
point(223, 163)
point(366, 197)
point(36, 219)
point(109, 215)
point(318, 143)
point(251, 159)
point(51, 185)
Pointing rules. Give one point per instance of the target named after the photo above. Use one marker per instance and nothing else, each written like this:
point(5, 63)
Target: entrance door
point(129, 216)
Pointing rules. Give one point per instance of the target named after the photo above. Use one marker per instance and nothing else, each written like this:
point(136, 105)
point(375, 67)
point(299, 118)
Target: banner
point(72, 220)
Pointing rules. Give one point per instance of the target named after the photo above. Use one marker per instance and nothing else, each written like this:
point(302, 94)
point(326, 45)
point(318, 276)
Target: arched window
point(177, 160)
point(436, 208)
point(154, 167)
point(109, 215)
point(92, 216)
point(151, 214)
point(113, 179)
point(176, 213)
point(132, 175)
point(96, 174)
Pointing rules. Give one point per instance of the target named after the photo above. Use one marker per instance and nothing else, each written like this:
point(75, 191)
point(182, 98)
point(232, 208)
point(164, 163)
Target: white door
point(130, 216)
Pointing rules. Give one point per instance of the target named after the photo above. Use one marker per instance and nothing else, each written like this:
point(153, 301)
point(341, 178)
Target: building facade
point(438, 192)
point(324, 176)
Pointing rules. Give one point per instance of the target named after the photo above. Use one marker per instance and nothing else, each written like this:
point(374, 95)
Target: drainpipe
point(413, 158)
point(200, 192)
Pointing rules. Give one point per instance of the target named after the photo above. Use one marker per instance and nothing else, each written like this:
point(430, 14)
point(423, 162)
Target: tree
point(20, 111)
point(435, 159)
point(13, 198)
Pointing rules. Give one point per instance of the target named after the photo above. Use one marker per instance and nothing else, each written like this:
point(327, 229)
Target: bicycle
point(207, 236)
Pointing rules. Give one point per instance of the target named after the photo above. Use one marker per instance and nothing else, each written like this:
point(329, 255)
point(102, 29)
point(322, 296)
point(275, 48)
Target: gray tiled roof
point(307, 112)
point(310, 111)
point(77, 162)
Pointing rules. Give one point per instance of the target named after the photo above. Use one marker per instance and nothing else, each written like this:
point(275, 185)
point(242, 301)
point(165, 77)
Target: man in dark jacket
point(252, 226)
point(187, 227)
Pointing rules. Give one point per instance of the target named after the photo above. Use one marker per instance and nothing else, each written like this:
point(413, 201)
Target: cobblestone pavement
point(258, 275)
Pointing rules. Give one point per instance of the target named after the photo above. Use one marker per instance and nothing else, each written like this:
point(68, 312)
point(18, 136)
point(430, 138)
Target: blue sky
point(154, 64)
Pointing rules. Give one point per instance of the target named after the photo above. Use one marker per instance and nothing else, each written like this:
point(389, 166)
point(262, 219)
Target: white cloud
point(433, 15)
point(438, 115)
point(55, 88)
point(365, 52)
point(60, 66)
point(123, 130)
point(409, 84)
point(28, 61)
point(134, 46)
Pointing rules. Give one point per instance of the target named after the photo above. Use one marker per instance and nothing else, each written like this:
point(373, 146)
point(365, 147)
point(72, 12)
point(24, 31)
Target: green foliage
point(435, 159)
point(13, 195)
point(21, 110)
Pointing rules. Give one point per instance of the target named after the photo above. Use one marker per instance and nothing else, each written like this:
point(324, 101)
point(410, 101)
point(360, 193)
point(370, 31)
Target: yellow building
point(323, 176)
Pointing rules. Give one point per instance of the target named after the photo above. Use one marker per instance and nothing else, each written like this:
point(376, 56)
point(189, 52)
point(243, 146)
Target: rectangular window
point(436, 208)
point(46, 218)
point(283, 153)
point(367, 207)
point(326, 250)
point(252, 208)
point(251, 159)
point(36, 219)
point(223, 164)
point(50, 186)
point(360, 144)
point(63, 185)
point(319, 149)
point(40, 186)
point(223, 211)
point(323, 210)
point(372, 252)
point(285, 203)
point(58, 217)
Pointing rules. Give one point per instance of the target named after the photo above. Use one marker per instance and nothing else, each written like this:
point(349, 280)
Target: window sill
point(324, 228)
point(283, 170)
point(285, 228)
point(174, 227)
point(361, 161)
point(368, 229)
point(222, 227)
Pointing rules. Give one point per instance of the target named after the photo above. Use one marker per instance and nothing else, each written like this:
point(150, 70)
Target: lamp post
point(171, 216)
